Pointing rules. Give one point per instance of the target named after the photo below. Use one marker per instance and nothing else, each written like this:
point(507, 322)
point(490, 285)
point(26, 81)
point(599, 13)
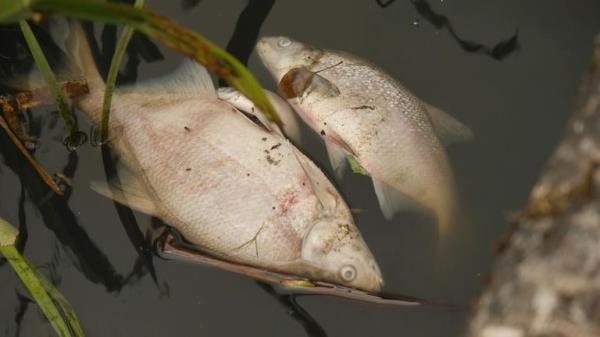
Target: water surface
point(516, 101)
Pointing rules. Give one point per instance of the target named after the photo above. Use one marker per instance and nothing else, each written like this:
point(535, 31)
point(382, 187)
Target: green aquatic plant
point(162, 28)
point(53, 86)
point(115, 64)
point(53, 304)
point(356, 167)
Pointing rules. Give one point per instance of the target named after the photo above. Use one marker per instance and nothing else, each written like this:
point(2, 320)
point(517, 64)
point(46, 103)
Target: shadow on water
point(22, 306)
point(59, 218)
point(130, 225)
point(499, 51)
point(189, 4)
point(139, 47)
point(245, 33)
point(290, 303)
point(23, 233)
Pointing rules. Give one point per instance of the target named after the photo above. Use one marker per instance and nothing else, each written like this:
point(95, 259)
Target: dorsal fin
point(337, 158)
point(188, 77)
point(392, 201)
point(316, 180)
point(129, 191)
point(448, 129)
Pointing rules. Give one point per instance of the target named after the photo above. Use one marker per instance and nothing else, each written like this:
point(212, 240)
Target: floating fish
point(368, 117)
point(288, 118)
point(229, 185)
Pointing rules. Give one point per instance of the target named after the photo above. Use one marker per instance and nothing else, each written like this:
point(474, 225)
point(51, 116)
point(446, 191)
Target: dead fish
point(230, 186)
point(290, 127)
point(363, 113)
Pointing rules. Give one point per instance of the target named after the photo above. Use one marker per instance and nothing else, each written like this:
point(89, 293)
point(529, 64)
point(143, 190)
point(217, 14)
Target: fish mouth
point(263, 45)
point(376, 281)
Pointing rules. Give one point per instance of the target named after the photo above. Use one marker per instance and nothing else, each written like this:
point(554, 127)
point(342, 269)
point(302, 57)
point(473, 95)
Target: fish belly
point(228, 186)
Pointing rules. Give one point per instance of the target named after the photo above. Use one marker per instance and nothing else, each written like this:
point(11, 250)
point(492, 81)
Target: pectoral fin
point(392, 201)
point(317, 181)
point(129, 192)
point(337, 158)
point(189, 77)
point(448, 129)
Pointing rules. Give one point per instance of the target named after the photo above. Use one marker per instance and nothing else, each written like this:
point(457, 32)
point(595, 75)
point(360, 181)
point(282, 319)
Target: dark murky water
point(516, 101)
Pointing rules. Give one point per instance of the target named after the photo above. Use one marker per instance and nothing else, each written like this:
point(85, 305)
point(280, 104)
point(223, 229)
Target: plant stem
point(113, 72)
point(50, 78)
point(173, 35)
point(38, 168)
point(36, 289)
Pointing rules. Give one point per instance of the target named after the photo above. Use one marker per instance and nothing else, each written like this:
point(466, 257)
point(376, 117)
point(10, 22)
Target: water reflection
point(498, 51)
point(247, 27)
point(140, 47)
point(59, 218)
point(23, 233)
point(295, 311)
point(22, 306)
point(189, 4)
point(138, 241)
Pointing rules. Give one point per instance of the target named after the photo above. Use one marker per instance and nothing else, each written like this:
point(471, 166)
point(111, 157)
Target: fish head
point(280, 54)
point(337, 253)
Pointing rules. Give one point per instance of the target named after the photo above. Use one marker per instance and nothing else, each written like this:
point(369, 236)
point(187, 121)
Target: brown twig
point(40, 170)
point(27, 99)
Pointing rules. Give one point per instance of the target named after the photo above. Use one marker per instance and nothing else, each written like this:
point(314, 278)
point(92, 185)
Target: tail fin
point(78, 47)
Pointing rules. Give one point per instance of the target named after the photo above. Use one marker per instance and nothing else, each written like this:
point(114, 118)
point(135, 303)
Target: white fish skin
point(363, 112)
point(230, 187)
point(290, 127)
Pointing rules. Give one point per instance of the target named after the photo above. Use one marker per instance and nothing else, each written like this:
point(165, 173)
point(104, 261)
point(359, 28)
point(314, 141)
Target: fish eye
point(348, 273)
point(284, 42)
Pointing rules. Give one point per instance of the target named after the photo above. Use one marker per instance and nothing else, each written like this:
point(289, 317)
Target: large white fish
point(228, 185)
point(363, 113)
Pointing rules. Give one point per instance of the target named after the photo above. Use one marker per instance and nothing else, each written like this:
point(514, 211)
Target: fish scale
point(362, 112)
point(230, 186)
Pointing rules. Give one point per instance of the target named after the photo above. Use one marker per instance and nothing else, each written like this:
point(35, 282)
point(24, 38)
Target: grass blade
point(36, 289)
point(115, 64)
point(38, 168)
point(8, 233)
point(171, 34)
point(66, 307)
point(42, 291)
point(356, 167)
point(55, 90)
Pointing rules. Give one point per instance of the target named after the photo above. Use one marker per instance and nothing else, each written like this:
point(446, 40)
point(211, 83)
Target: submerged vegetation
point(54, 306)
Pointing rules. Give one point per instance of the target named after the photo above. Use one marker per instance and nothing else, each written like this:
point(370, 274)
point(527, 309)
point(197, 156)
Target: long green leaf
point(66, 307)
point(356, 167)
point(36, 289)
point(55, 90)
point(8, 233)
point(170, 33)
point(115, 64)
point(42, 291)
point(14, 10)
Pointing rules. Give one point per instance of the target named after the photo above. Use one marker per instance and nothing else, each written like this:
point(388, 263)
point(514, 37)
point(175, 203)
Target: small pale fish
point(290, 127)
point(365, 115)
point(228, 185)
